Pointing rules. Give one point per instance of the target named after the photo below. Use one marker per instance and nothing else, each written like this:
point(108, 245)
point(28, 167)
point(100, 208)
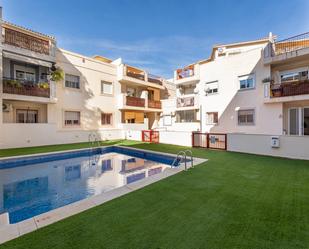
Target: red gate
point(209, 140)
point(150, 136)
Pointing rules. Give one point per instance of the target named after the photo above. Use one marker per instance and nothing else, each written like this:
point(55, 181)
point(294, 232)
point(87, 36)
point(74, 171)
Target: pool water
point(29, 190)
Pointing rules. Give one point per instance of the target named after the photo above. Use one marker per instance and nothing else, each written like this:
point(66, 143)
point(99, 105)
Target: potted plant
point(57, 74)
point(276, 90)
point(43, 85)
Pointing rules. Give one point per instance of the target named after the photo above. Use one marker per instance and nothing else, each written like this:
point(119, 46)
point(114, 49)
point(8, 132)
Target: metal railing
point(154, 104)
point(154, 79)
point(26, 87)
point(182, 157)
point(185, 102)
point(290, 88)
point(135, 101)
point(291, 44)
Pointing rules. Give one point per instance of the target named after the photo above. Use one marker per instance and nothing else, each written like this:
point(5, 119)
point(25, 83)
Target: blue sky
point(157, 35)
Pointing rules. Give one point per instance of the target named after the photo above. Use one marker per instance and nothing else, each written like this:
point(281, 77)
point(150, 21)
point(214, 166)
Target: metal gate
point(150, 136)
point(209, 140)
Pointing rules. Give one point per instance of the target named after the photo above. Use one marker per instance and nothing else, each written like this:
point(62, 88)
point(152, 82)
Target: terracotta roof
point(29, 30)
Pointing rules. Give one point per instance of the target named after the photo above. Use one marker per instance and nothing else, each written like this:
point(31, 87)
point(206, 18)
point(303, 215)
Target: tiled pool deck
point(12, 231)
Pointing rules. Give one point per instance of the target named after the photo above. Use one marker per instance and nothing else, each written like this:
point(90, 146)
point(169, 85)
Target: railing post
point(207, 139)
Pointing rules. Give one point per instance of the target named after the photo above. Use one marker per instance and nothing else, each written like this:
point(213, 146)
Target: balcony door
point(24, 73)
point(299, 121)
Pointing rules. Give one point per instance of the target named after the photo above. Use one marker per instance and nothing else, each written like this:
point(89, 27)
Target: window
point(294, 76)
point(26, 116)
point(246, 117)
point(71, 118)
point(212, 87)
point(106, 118)
point(72, 81)
point(167, 120)
point(186, 116)
point(246, 81)
point(211, 117)
point(299, 121)
point(106, 87)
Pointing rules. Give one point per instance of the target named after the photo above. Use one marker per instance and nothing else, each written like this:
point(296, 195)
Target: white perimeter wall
point(26, 135)
point(290, 146)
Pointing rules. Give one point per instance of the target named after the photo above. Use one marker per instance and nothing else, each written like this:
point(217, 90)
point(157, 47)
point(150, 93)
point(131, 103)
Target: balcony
point(187, 75)
point(185, 72)
point(30, 89)
point(185, 102)
point(154, 104)
point(290, 89)
point(18, 39)
point(155, 79)
point(132, 75)
point(286, 92)
point(135, 101)
point(287, 49)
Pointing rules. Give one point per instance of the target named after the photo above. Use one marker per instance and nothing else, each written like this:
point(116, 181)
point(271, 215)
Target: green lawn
point(232, 201)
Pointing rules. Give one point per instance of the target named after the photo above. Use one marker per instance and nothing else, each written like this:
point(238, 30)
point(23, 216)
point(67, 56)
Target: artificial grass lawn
point(232, 201)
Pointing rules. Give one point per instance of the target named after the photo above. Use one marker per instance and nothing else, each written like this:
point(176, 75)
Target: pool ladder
point(94, 142)
point(182, 155)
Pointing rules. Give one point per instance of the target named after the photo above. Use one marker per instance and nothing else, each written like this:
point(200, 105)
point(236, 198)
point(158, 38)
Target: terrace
point(232, 200)
point(133, 75)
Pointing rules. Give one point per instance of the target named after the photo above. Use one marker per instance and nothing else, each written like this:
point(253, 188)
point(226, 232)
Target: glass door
point(294, 121)
point(299, 121)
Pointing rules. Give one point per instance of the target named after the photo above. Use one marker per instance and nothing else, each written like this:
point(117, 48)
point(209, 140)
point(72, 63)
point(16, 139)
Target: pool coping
point(12, 231)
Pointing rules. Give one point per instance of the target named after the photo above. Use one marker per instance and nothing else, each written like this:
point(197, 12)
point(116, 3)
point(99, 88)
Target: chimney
point(1, 12)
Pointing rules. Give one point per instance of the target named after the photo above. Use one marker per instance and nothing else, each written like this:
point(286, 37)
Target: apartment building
point(252, 87)
point(96, 95)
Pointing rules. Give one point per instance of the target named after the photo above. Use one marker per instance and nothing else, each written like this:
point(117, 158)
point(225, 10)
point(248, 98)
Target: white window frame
point(111, 118)
point(246, 77)
point(210, 83)
point(102, 87)
point(247, 124)
point(296, 70)
point(301, 116)
point(72, 125)
point(69, 87)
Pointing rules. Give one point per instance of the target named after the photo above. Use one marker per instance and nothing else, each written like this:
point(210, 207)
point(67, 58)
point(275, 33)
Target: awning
point(26, 59)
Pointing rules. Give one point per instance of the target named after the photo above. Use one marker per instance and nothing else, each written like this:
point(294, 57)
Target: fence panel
point(209, 140)
point(150, 136)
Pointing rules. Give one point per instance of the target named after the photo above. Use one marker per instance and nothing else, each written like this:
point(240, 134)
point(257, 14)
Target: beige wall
point(290, 146)
point(10, 117)
point(88, 99)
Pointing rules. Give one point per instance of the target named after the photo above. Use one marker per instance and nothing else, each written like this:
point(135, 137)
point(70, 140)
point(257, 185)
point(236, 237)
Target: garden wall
point(296, 147)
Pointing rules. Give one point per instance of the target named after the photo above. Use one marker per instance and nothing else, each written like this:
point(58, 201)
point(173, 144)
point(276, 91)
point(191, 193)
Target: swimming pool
point(34, 185)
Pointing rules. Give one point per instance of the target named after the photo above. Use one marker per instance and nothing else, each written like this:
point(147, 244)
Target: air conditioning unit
point(7, 107)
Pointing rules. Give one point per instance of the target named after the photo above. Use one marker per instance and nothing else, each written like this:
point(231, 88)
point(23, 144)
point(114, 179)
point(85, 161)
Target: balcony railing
point(291, 44)
point(154, 104)
point(24, 87)
point(185, 72)
point(21, 40)
point(290, 89)
point(135, 101)
point(185, 102)
point(154, 79)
